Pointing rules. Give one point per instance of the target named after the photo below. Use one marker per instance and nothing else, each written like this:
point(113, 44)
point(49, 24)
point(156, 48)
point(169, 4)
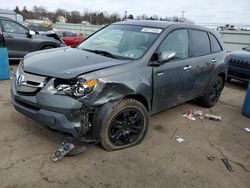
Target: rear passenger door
point(203, 62)
point(217, 54)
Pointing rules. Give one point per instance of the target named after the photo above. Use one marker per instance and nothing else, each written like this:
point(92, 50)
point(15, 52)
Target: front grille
point(28, 84)
point(239, 63)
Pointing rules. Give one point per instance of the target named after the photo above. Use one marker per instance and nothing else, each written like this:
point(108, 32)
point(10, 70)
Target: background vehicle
point(11, 14)
point(19, 40)
point(70, 38)
point(40, 29)
point(106, 88)
point(239, 65)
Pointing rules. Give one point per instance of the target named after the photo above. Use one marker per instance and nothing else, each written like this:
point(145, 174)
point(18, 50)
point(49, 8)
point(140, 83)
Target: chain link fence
point(78, 28)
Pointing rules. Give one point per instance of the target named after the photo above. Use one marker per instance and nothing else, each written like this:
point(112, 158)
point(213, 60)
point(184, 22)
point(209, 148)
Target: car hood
point(66, 62)
point(242, 54)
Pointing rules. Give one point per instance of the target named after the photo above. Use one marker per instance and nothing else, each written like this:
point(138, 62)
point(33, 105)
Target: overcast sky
point(199, 11)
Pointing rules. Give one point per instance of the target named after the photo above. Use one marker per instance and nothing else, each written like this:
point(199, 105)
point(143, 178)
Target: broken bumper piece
point(53, 111)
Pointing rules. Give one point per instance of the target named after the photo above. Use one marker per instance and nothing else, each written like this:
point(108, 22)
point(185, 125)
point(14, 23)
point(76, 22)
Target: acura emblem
point(19, 80)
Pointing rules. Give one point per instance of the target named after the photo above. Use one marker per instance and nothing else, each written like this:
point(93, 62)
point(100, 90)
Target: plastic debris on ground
point(189, 115)
point(213, 117)
point(62, 151)
point(71, 147)
point(211, 158)
point(227, 164)
point(179, 139)
point(197, 113)
point(193, 114)
point(247, 129)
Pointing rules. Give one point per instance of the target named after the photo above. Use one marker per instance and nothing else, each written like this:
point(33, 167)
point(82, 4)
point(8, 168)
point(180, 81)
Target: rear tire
point(125, 126)
point(213, 94)
point(229, 79)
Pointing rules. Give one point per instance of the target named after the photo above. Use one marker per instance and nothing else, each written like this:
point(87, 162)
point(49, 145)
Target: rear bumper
point(239, 73)
point(51, 111)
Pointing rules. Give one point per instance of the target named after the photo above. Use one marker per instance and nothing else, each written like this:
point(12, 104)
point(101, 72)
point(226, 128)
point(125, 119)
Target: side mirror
point(246, 48)
point(166, 56)
point(30, 33)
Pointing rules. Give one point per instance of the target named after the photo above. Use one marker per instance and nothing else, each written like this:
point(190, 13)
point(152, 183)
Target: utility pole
point(65, 15)
point(125, 15)
point(182, 16)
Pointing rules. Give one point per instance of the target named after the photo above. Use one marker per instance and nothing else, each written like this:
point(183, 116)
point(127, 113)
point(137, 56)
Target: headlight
point(75, 88)
point(79, 88)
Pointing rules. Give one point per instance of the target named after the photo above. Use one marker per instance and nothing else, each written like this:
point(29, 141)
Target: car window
point(215, 46)
point(59, 33)
point(12, 27)
point(69, 34)
point(176, 41)
point(123, 41)
point(200, 44)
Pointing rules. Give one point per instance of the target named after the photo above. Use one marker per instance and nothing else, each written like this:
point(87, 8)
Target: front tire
point(125, 126)
point(213, 94)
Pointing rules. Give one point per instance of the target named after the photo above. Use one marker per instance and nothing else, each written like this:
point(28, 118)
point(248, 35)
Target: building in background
point(61, 19)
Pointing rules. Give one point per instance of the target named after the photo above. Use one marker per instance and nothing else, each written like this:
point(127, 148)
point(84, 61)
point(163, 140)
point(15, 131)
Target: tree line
point(96, 18)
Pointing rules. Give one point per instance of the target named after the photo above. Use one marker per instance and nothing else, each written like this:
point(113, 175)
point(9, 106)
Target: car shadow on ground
point(237, 84)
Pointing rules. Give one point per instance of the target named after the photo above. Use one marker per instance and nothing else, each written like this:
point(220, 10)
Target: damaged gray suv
point(105, 89)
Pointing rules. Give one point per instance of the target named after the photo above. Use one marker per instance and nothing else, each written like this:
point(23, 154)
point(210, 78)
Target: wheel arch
point(223, 76)
point(41, 46)
point(139, 98)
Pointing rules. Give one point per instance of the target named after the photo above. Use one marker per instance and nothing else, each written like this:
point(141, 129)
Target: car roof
point(6, 18)
point(6, 11)
point(160, 24)
point(148, 23)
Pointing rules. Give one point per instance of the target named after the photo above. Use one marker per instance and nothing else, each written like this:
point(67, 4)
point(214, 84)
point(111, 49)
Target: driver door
point(173, 80)
point(16, 39)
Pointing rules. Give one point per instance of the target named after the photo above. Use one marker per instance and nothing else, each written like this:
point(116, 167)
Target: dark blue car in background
point(239, 65)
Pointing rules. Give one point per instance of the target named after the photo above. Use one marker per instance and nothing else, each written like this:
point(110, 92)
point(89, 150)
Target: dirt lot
point(26, 147)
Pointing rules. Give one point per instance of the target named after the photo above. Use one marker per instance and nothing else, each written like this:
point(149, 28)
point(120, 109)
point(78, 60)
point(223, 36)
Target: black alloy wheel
point(216, 91)
point(122, 124)
point(126, 127)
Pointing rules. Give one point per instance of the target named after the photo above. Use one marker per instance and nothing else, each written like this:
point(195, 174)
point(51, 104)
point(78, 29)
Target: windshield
point(121, 41)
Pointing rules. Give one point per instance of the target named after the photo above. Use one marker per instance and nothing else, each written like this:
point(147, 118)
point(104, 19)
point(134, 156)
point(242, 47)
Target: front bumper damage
point(58, 112)
point(239, 73)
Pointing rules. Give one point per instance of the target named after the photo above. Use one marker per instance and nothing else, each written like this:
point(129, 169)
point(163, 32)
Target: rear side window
point(215, 46)
point(200, 44)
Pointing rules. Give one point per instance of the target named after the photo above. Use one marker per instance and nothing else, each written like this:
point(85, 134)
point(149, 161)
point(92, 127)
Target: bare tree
point(40, 12)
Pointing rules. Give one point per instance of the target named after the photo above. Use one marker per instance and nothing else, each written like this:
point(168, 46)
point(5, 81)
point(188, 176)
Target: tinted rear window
point(200, 44)
point(215, 46)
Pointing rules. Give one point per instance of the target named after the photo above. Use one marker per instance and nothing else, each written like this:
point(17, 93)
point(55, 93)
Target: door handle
point(186, 68)
point(9, 36)
point(214, 60)
point(159, 73)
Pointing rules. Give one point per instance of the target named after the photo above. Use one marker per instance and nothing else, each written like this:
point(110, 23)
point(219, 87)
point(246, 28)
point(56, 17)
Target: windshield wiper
point(102, 52)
